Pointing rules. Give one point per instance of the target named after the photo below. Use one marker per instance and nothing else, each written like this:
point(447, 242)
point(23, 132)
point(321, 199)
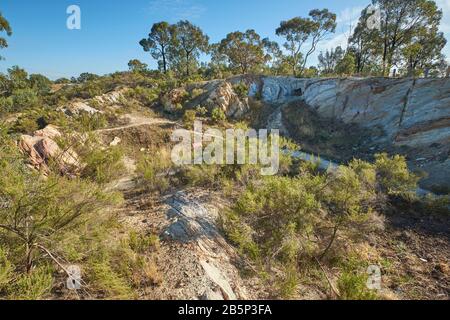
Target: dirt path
point(195, 260)
point(136, 120)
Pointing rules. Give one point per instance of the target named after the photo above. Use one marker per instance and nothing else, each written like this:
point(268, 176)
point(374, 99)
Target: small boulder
point(115, 142)
point(41, 149)
point(174, 99)
point(225, 98)
point(77, 108)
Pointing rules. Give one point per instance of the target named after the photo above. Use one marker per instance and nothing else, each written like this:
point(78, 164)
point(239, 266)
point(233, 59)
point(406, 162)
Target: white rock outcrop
point(413, 113)
point(42, 150)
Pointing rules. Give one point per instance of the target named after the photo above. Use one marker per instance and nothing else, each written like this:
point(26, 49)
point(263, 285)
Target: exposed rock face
point(193, 231)
point(42, 149)
point(225, 98)
point(413, 113)
point(213, 94)
point(77, 108)
point(111, 98)
point(172, 100)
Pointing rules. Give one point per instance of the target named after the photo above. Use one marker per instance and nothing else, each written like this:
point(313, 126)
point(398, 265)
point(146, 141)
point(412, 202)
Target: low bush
point(189, 118)
point(195, 93)
point(35, 285)
point(394, 175)
point(25, 99)
point(147, 96)
point(218, 116)
point(241, 89)
point(154, 170)
point(102, 166)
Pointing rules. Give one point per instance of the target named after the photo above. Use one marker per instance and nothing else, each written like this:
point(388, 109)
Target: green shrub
point(145, 95)
point(143, 244)
point(201, 111)
point(394, 175)
point(195, 93)
point(189, 118)
point(277, 209)
point(24, 99)
point(91, 122)
point(153, 170)
point(6, 269)
point(40, 83)
point(353, 286)
point(288, 285)
point(241, 89)
point(202, 175)
point(31, 120)
point(103, 166)
point(103, 278)
point(6, 104)
point(218, 116)
point(45, 210)
point(33, 286)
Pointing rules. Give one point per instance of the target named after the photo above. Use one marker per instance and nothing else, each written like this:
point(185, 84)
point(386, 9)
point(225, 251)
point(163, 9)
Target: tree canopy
point(4, 28)
point(408, 39)
point(243, 50)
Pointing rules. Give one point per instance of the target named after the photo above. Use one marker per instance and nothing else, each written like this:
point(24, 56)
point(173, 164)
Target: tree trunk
point(164, 60)
point(333, 237)
point(29, 258)
point(187, 64)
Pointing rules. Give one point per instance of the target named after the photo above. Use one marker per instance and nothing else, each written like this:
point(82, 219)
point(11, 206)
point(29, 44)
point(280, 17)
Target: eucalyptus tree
point(4, 28)
point(188, 43)
point(301, 31)
point(244, 50)
point(401, 22)
point(159, 42)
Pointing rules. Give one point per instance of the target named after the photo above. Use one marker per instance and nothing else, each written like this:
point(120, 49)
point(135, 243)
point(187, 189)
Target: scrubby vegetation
point(301, 228)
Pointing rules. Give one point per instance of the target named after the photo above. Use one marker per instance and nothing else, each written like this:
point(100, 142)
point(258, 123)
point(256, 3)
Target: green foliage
point(4, 27)
point(277, 210)
point(201, 111)
point(196, 93)
point(218, 116)
point(102, 166)
point(87, 122)
point(346, 66)
point(202, 175)
point(40, 84)
point(34, 119)
point(6, 105)
point(36, 212)
point(6, 269)
point(394, 175)
point(137, 66)
point(243, 50)
point(189, 118)
point(24, 99)
point(154, 169)
point(288, 285)
point(104, 278)
point(241, 89)
point(159, 43)
point(352, 283)
point(33, 286)
point(87, 77)
point(143, 243)
point(297, 31)
point(188, 42)
point(145, 95)
point(354, 287)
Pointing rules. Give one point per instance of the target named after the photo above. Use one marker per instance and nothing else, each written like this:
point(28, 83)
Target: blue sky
point(111, 29)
